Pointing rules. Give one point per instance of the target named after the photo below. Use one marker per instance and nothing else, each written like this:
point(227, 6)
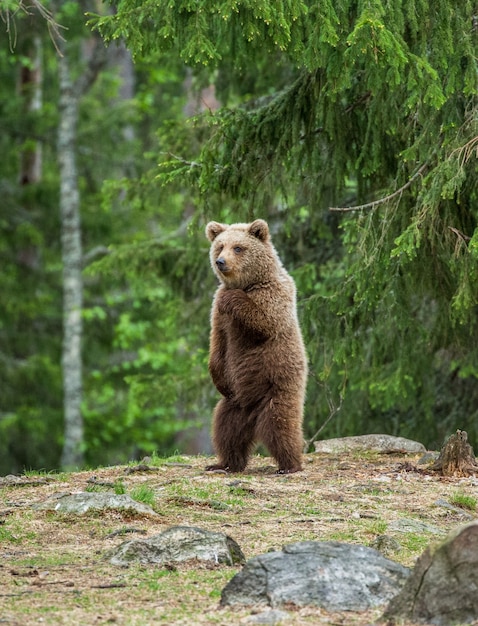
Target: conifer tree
point(361, 119)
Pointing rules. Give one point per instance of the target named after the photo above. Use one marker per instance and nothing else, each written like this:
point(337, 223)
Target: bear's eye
point(220, 248)
point(238, 249)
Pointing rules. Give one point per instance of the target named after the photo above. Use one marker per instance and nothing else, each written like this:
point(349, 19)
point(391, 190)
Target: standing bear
point(257, 358)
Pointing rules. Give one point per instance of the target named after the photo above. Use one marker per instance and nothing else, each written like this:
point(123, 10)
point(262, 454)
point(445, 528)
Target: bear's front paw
point(229, 299)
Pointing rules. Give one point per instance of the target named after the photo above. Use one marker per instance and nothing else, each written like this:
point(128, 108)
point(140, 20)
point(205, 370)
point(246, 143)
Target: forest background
point(351, 126)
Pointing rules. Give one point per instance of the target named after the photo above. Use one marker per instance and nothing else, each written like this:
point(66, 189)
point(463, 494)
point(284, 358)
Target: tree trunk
point(30, 90)
point(456, 457)
point(72, 455)
point(72, 253)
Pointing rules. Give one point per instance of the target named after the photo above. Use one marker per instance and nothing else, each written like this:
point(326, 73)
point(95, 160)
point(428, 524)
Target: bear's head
point(242, 255)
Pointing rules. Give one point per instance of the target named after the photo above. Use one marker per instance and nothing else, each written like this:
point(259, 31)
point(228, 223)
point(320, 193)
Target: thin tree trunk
point(30, 89)
point(72, 253)
point(72, 455)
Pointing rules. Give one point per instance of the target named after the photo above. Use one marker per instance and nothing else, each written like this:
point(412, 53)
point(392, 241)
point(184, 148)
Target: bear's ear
point(213, 229)
point(259, 229)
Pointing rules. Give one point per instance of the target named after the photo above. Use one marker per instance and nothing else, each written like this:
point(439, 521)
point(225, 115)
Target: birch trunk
point(72, 455)
point(72, 253)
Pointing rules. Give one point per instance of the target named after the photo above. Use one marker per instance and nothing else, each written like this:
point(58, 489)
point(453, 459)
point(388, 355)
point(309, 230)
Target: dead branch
point(333, 410)
point(466, 151)
point(8, 18)
point(392, 196)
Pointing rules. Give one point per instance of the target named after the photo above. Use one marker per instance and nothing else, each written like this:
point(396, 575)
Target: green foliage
point(204, 32)
point(375, 100)
point(149, 386)
point(138, 359)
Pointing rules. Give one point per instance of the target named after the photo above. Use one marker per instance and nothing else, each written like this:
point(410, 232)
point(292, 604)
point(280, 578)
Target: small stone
point(386, 545)
point(272, 617)
point(454, 509)
point(405, 525)
point(429, 457)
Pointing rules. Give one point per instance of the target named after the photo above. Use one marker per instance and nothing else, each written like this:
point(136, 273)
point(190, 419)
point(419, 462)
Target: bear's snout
point(221, 264)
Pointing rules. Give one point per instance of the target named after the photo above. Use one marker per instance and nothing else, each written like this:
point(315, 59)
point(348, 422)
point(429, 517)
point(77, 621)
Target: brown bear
point(257, 358)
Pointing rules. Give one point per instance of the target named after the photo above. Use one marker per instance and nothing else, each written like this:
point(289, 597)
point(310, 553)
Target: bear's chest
point(243, 340)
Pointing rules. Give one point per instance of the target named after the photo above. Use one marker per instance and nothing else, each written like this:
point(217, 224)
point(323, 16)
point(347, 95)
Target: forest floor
point(53, 567)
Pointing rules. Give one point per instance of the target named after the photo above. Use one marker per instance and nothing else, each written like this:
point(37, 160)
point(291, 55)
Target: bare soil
point(54, 567)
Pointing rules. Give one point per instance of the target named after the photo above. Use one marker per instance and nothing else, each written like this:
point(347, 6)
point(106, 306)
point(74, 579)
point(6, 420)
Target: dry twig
point(392, 196)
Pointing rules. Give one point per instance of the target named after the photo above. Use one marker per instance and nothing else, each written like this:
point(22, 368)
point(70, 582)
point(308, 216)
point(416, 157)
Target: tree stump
point(456, 457)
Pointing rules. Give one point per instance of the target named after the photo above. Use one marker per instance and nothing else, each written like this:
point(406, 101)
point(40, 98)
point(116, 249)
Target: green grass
point(155, 460)
point(218, 496)
point(96, 488)
point(45, 561)
point(7, 535)
point(363, 531)
point(144, 494)
point(463, 500)
point(414, 544)
point(119, 488)
point(41, 473)
point(15, 531)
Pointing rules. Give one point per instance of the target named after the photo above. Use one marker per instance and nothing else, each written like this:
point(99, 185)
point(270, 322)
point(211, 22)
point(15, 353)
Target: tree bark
point(456, 457)
point(30, 89)
point(72, 455)
point(71, 245)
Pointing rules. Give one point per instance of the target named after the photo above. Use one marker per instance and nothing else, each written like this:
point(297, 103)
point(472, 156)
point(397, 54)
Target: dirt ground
point(54, 567)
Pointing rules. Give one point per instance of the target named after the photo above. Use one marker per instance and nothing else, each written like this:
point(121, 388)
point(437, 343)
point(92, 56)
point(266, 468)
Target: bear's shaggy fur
point(257, 358)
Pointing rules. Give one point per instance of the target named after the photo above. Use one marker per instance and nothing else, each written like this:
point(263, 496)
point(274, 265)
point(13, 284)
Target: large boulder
point(443, 586)
point(332, 575)
point(179, 543)
point(386, 444)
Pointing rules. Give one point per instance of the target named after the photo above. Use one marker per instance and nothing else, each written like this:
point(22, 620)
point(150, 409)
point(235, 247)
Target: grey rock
point(85, 501)
point(386, 545)
point(454, 509)
point(179, 543)
point(271, 617)
point(372, 443)
point(405, 525)
point(329, 574)
point(443, 586)
point(429, 457)
point(21, 481)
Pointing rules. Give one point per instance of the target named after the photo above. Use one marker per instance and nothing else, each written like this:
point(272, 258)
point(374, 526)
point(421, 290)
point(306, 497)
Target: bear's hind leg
point(279, 427)
point(233, 436)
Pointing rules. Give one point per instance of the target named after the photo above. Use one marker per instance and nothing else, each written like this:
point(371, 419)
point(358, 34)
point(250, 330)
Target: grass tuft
point(144, 494)
point(463, 500)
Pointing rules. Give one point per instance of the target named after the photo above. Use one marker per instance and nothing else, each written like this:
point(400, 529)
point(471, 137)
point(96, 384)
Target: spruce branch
point(94, 253)
point(175, 157)
point(392, 196)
